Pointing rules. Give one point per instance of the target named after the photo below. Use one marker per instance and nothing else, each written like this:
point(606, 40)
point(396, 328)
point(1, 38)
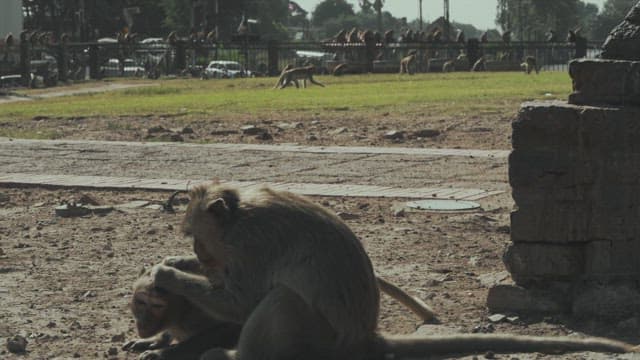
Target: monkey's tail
point(414, 304)
point(407, 346)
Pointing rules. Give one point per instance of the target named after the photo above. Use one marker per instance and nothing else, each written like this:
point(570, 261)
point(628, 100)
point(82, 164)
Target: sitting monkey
point(529, 65)
point(407, 62)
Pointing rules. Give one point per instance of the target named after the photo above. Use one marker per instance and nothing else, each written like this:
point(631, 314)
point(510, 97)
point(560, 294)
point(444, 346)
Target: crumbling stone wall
point(575, 177)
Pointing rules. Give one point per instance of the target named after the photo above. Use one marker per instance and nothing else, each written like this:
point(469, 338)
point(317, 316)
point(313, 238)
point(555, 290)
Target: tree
point(613, 12)
point(532, 19)
point(329, 9)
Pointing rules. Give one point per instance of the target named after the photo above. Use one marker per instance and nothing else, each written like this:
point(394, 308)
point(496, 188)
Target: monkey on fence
point(530, 64)
point(294, 75)
point(302, 286)
point(407, 62)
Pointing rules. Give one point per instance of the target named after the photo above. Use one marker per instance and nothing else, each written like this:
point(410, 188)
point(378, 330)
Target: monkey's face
point(206, 231)
point(150, 307)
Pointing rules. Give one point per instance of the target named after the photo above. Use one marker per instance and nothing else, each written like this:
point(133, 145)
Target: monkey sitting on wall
point(303, 287)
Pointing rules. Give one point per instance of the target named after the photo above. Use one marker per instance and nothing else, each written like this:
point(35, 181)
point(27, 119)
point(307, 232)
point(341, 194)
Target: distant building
point(10, 18)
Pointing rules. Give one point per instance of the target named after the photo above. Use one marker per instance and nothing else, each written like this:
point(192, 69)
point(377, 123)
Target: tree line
point(84, 20)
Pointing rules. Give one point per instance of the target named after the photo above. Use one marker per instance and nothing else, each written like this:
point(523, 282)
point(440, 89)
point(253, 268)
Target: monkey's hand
point(152, 343)
point(184, 263)
point(164, 277)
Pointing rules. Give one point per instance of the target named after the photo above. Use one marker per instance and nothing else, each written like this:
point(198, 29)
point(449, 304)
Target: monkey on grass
point(407, 62)
point(530, 64)
point(301, 284)
point(293, 75)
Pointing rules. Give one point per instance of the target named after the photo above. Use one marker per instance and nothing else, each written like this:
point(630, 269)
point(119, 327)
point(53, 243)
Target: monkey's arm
point(184, 263)
point(198, 290)
point(414, 304)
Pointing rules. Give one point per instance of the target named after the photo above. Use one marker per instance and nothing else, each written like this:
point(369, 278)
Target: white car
point(225, 69)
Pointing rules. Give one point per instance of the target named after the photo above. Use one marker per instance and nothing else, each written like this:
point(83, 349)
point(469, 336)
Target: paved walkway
point(331, 171)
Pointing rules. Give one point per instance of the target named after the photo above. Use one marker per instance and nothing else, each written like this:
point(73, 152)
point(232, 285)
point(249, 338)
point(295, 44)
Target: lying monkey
point(162, 318)
point(295, 74)
point(303, 287)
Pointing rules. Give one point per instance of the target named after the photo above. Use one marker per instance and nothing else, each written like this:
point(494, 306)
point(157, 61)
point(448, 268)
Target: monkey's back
point(288, 240)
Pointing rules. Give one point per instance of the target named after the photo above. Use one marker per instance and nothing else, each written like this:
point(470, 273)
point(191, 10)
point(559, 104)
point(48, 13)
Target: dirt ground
point(65, 283)
point(478, 131)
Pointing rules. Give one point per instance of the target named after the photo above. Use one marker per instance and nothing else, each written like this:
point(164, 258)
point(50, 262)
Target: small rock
point(187, 130)
point(71, 210)
point(100, 210)
point(340, 130)
point(264, 136)
point(4, 198)
point(496, 318)
point(176, 138)
point(474, 260)
point(89, 294)
point(252, 130)
point(51, 324)
point(513, 319)
point(40, 204)
point(394, 135)
point(425, 133)
point(399, 213)
point(489, 355)
point(347, 216)
point(152, 231)
point(294, 125)
point(492, 279)
point(484, 329)
point(134, 204)
point(113, 351)
point(156, 130)
point(87, 199)
point(17, 344)
point(223, 132)
point(118, 338)
point(312, 138)
point(154, 207)
point(506, 229)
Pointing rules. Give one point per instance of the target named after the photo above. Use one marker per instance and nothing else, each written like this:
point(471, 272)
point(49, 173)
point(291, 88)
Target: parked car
point(112, 68)
point(225, 69)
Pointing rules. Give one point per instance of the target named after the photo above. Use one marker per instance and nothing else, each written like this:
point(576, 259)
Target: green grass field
point(429, 94)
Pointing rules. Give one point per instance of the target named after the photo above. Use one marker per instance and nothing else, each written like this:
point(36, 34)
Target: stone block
point(610, 260)
point(530, 263)
point(608, 302)
point(545, 125)
point(601, 81)
point(551, 223)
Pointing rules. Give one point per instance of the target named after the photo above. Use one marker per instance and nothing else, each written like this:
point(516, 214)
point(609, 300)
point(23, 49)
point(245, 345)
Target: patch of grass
point(437, 94)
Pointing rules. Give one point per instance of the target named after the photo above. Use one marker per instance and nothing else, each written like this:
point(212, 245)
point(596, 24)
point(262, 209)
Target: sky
point(480, 13)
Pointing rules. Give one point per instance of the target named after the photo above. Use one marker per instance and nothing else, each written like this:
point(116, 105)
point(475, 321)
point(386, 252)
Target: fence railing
point(50, 63)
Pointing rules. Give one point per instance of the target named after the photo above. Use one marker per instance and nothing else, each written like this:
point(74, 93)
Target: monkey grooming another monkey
point(162, 317)
point(407, 61)
point(302, 285)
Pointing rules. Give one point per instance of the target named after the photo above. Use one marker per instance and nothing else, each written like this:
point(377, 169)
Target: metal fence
point(48, 63)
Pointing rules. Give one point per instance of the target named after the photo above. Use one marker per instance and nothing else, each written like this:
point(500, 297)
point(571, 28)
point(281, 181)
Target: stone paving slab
point(363, 171)
point(105, 182)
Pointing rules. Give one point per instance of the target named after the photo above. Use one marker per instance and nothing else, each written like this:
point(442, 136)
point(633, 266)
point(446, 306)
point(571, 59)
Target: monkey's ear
point(218, 207)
